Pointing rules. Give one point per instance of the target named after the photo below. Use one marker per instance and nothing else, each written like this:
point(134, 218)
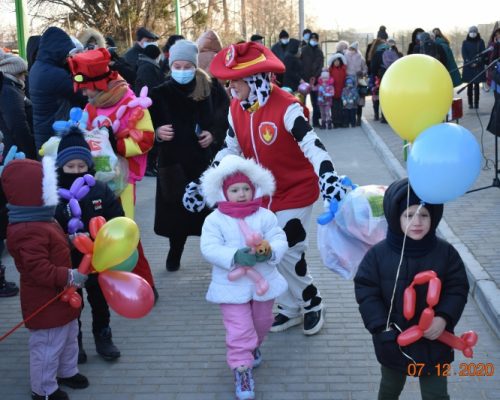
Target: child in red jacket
point(41, 254)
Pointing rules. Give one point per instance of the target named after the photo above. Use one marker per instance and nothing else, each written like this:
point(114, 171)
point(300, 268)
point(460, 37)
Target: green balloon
point(127, 265)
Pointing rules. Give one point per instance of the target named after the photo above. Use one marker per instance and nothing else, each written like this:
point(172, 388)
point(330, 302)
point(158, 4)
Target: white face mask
point(473, 35)
point(146, 44)
point(284, 41)
point(313, 42)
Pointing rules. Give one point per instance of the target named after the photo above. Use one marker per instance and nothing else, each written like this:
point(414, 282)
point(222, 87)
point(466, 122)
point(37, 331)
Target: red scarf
point(239, 210)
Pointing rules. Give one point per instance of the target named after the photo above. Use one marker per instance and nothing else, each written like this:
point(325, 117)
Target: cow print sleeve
point(315, 152)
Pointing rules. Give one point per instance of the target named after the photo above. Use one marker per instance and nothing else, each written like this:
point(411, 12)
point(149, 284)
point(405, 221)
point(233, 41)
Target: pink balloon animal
point(257, 244)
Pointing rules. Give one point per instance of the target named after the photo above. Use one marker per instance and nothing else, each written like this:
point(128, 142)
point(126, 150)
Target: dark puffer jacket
point(374, 285)
point(51, 86)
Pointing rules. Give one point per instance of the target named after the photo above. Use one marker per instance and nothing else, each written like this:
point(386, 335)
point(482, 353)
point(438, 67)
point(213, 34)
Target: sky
point(365, 16)
point(398, 15)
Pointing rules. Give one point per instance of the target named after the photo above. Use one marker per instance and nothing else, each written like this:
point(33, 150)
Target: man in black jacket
point(312, 63)
point(143, 36)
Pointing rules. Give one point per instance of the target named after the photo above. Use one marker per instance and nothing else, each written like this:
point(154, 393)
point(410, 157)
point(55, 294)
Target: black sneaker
point(282, 322)
point(77, 381)
point(57, 395)
point(104, 345)
point(313, 322)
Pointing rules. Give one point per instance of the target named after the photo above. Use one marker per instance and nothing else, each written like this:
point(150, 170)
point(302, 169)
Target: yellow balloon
point(114, 243)
point(416, 92)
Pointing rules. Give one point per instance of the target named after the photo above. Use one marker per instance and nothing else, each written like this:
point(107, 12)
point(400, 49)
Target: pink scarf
point(239, 210)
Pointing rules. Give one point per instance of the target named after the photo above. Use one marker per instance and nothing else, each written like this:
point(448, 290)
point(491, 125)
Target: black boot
point(104, 344)
point(82, 355)
point(7, 289)
point(175, 253)
point(476, 95)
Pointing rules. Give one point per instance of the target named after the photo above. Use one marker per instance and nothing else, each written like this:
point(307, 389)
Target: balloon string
point(32, 315)
point(402, 254)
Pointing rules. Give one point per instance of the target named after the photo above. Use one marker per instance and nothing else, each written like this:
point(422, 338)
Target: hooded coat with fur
point(40, 249)
point(374, 283)
point(221, 236)
point(88, 34)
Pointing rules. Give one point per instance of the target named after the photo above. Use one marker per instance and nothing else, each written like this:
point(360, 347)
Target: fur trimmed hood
point(91, 33)
point(31, 183)
point(213, 178)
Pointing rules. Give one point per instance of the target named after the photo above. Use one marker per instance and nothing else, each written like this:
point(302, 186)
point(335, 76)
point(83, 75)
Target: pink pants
point(246, 327)
point(53, 354)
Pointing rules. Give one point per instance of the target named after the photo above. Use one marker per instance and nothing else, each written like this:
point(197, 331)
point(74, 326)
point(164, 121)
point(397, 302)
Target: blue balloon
point(443, 163)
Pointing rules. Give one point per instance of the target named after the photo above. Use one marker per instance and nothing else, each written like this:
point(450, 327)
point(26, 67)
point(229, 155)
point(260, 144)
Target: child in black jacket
point(379, 291)
point(74, 160)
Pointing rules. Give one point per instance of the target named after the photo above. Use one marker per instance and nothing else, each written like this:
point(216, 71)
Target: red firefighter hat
point(245, 59)
point(90, 69)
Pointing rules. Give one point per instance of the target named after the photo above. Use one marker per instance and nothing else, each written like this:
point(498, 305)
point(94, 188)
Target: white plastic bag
point(358, 224)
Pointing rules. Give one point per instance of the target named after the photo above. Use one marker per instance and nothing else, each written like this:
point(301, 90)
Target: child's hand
point(76, 278)
point(436, 329)
point(244, 257)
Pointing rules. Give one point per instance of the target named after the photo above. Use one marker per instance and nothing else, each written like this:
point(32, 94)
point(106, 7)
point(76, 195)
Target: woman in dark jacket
point(15, 109)
point(474, 72)
point(209, 44)
point(182, 116)
point(379, 291)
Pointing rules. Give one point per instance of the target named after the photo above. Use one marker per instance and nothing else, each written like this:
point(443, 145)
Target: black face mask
point(65, 180)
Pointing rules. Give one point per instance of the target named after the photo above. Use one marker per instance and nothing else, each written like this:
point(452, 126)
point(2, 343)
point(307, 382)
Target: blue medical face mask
point(285, 41)
point(313, 42)
point(307, 36)
point(183, 76)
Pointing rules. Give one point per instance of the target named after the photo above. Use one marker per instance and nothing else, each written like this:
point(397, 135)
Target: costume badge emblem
point(231, 52)
point(97, 204)
point(268, 132)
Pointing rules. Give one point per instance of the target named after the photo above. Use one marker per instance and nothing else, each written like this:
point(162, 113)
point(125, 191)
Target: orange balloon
point(95, 224)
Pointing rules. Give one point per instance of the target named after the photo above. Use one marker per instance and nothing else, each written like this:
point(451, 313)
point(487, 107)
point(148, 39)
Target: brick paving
point(177, 352)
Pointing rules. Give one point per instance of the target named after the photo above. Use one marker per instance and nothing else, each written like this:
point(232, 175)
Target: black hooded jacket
point(374, 283)
point(51, 86)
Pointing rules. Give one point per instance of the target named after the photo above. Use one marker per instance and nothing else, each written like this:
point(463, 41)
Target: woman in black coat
point(183, 117)
point(15, 109)
point(293, 73)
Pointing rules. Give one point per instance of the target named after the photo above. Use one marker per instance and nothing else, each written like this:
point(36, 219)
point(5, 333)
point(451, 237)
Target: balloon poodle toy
point(257, 246)
point(465, 342)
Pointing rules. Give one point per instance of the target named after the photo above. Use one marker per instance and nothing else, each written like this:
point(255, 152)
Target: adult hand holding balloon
point(443, 163)
point(115, 242)
point(415, 93)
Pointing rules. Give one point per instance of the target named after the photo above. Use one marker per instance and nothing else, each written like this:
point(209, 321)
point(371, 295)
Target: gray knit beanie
point(183, 50)
point(12, 64)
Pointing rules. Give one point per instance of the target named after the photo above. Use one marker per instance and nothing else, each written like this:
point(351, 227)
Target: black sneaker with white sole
point(313, 322)
point(282, 322)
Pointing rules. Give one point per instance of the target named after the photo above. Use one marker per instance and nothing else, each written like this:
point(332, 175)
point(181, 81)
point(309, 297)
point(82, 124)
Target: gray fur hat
point(183, 50)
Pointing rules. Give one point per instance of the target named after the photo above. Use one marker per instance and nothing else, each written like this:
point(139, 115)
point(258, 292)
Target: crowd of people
point(220, 128)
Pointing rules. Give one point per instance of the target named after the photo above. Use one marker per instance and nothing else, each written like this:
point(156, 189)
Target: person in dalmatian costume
point(113, 104)
point(267, 124)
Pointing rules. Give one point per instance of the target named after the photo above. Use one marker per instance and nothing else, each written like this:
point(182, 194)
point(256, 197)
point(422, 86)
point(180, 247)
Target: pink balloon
point(127, 293)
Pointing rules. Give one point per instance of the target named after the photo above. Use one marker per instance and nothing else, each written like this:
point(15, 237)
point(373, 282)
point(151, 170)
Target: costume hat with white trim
point(213, 178)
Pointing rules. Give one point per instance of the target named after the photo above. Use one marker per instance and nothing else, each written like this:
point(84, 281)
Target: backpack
point(388, 57)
